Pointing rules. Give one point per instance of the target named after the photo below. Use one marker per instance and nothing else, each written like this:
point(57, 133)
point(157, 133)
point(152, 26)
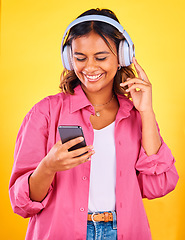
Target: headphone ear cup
point(67, 58)
point(124, 54)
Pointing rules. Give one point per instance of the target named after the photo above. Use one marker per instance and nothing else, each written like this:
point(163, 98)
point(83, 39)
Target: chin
point(92, 89)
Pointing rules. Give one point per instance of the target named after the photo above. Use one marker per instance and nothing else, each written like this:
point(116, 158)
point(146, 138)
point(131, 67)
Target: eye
point(80, 59)
point(101, 59)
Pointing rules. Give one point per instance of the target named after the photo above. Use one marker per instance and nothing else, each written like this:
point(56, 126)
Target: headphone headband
point(99, 18)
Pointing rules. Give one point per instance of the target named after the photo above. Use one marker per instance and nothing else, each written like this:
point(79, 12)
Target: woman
point(94, 192)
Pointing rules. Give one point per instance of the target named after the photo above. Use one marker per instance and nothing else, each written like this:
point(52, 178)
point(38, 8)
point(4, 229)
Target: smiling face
point(94, 63)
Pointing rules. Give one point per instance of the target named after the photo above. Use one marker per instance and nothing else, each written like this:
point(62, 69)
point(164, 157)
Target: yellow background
point(31, 33)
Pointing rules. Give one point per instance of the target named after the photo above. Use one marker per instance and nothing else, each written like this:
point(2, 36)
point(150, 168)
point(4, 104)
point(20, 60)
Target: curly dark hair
point(69, 80)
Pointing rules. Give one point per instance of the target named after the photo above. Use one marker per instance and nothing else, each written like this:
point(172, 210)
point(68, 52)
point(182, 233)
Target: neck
point(99, 97)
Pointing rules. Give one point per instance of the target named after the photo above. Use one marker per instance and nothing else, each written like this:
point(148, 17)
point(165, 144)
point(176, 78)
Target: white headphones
point(126, 47)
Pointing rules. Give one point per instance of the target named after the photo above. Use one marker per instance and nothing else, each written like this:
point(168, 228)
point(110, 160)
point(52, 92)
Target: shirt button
point(82, 209)
point(89, 124)
point(119, 142)
point(84, 178)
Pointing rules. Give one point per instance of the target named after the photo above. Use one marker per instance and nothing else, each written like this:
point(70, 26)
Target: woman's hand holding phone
point(60, 159)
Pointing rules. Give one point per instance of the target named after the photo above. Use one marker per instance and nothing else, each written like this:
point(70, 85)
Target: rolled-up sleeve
point(30, 149)
point(157, 174)
point(20, 200)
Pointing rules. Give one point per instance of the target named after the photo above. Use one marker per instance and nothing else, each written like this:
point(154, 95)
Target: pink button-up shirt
point(63, 213)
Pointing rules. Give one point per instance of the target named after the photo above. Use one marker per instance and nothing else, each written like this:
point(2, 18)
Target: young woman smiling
point(95, 65)
point(97, 195)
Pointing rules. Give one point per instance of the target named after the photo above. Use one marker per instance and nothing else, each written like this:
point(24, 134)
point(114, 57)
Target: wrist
point(148, 113)
point(47, 169)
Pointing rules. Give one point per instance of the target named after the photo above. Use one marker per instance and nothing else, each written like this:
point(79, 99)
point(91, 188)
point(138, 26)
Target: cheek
point(78, 67)
point(112, 66)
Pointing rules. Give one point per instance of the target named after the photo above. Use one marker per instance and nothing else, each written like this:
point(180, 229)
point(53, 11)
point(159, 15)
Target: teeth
point(94, 76)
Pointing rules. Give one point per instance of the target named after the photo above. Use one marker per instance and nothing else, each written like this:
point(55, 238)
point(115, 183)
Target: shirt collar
point(126, 106)
point(78, 100)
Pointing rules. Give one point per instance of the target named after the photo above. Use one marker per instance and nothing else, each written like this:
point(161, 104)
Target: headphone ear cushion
point(67, 58)
point(124, 54)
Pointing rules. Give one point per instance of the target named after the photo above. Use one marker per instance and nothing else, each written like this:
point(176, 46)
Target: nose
point(91, 65)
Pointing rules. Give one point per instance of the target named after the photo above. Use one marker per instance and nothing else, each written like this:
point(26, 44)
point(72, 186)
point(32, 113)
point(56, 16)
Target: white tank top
point(102, 195)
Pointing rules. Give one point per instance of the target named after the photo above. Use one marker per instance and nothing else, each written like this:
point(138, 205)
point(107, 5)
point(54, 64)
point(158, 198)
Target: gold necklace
point(97, 113)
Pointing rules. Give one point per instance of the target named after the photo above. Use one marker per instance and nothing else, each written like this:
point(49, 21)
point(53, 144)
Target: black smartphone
point(70, 132)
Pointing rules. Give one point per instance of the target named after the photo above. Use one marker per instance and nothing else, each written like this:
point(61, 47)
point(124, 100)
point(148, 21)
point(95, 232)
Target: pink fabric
point(63, 213)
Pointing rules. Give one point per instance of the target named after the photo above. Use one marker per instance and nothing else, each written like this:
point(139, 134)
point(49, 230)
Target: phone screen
point(70, 132)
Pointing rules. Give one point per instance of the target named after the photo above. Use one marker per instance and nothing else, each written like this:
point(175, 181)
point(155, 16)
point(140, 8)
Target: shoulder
point(45, 105)
point(50, 100)
point(42, 110)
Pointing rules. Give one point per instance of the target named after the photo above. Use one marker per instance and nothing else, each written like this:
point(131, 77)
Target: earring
point(119, 67)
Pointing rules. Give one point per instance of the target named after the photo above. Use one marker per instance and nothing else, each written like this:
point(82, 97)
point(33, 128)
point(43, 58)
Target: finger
point(141, 73)
point(59, 142)
point(80, 160)
point(80, 151)
point(72, 143)
point(137, 86)
point(131, 81)
point(125, 84)
point(86, 157)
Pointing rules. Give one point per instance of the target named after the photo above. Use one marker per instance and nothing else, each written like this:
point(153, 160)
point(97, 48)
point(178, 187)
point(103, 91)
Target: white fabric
point(103, 171)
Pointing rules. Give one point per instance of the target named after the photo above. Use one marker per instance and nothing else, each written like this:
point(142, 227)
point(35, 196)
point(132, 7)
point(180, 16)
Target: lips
point(93, 78)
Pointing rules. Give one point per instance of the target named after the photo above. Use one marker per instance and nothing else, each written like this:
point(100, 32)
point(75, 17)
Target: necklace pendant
point(97, 114)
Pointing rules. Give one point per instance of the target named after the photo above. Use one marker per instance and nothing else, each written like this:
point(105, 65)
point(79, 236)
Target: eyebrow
point(98, 53)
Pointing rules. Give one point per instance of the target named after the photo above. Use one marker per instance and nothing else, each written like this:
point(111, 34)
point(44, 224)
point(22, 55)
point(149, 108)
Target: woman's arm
point(40, 181)
point(151, 141)
point(58, 159)
point(34, 169)
point(157, 175)
point(141, 92)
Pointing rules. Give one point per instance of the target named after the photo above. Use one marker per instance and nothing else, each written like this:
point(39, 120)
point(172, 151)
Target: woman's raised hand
point(60, 159)
point(140, 89)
